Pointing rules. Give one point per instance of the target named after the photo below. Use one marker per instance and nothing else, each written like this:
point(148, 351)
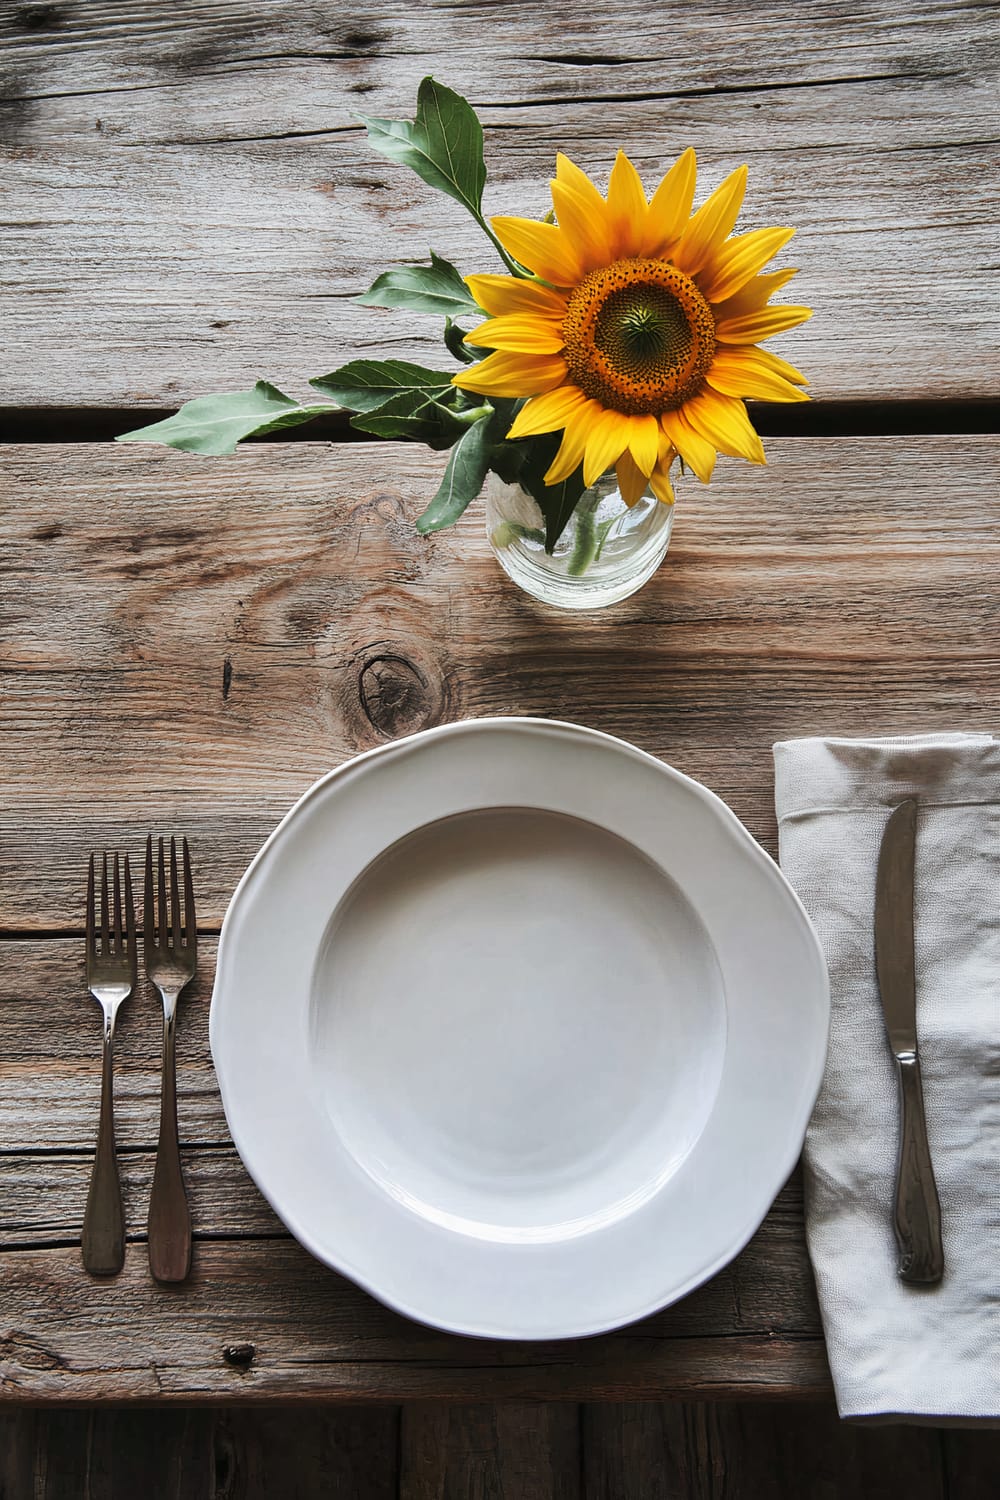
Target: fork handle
point(169, 1218)
point(103, 1240)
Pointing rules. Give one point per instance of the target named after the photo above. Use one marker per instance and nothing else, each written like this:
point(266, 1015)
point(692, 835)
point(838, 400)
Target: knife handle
point(918, 1212)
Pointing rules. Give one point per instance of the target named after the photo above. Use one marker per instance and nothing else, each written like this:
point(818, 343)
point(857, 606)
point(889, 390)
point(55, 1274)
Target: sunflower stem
point(511, 264)
point(586, 542)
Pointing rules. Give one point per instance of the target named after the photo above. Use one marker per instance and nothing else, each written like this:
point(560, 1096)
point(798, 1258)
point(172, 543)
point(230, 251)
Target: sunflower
point(636, 333)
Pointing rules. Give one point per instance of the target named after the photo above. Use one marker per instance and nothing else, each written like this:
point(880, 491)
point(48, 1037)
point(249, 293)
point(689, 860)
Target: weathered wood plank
point(191, 203)
point(509, 1452)
point(190, 643)
point(762, 1303)
point(758, 1318)
point(825, 593)
point(723, 1452)
point(769, 1288)
point(51, 1032)
point(112, 1455)
point(196, 1454)
point(340, 1451)
point(96, 47)
point(971, 1462)
point(210, 662)
point(629, 1451)
point(50, 1097)
point(262, 1322)
point(44, 1196)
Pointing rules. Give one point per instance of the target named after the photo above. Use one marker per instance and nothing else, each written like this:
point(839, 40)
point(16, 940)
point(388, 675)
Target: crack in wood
point(707, 92)
point(818, 418)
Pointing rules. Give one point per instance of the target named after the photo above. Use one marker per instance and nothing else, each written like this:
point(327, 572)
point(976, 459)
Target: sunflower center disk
point(640, 337)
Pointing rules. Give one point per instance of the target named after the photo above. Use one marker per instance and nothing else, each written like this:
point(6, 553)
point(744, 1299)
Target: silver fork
point(111, 976)
point(171, 953)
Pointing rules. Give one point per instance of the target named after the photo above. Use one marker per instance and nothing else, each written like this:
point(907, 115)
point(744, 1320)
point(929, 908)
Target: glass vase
point(607, 551)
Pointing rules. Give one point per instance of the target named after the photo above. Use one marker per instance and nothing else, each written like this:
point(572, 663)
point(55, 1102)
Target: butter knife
point(917, 1211)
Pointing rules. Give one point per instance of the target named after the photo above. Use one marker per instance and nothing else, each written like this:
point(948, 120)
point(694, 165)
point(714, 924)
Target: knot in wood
point(396, 696)
point(39, 16)
point(240, 1355)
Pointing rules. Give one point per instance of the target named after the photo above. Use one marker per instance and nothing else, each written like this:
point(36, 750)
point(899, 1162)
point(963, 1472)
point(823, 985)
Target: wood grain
point(627, 1451)
point(692, 1451)
point(213, 635)
point(509, 1452)
point(195, 1454)
point(315, 1337)
point(189, 644)
point(764, 1300)
point(190, 202)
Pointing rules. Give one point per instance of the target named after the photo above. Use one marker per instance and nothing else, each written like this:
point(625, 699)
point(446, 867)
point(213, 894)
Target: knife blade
point(917, 1212)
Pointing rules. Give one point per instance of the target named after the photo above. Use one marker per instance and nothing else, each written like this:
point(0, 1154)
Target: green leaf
point(556, 501)
point(463, 478)
point(443, 144)
point(416, 415)
point(215, 424)
point(365, 384)
point(454, 339)
point(437, 288)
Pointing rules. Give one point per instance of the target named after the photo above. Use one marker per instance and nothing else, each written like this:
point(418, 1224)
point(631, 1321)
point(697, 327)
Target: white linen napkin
point(900, 1351)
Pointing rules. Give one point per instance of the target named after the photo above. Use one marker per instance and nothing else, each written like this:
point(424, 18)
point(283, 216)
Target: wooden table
point(190, 643)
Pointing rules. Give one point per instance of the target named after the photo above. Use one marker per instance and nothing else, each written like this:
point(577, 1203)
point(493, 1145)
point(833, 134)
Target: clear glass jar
point(607, 551)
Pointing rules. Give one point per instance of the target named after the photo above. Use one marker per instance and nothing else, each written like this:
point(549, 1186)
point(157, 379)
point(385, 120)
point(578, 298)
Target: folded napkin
point(900, 1351)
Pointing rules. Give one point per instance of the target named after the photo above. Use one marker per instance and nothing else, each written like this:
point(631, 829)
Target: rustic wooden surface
point(189, 201)
point(191, 643)
point(514, 1451)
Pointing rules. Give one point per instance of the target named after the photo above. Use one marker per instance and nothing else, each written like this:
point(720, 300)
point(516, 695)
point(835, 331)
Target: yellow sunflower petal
point(644, 441)
point(670, 206)
point(696, 451)
point(659, 480)
point(500, 295)
point(545, 249)
point(631, 480)
point(574, 442)
point(575, 177)
point(710, 226)
point(607, 441)
point(627, 209)
point(547, 413)
point(723, 421)
point(753, 327)
point(522, 333)
point(749, 372)
point(773, 363)
point(507, 374)
point(739, 259)
point(586, 228)
point(755, 294)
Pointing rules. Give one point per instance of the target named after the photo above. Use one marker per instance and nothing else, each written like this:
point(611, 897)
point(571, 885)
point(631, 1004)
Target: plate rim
point(815, 1065)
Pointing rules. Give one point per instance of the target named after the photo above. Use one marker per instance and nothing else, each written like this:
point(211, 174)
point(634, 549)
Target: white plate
point(518, 1028)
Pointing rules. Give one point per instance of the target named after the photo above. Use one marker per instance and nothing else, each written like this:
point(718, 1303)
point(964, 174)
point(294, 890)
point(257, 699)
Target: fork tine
point(175, 896)
point(148, 925)
point(117, 907)
point(190, 920)
point(90, 911)
point(130, 923)
point(105, 940)
point(161, 902)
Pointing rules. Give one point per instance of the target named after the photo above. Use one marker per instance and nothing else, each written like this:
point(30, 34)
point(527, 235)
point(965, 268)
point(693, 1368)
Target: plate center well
point(517, 1024)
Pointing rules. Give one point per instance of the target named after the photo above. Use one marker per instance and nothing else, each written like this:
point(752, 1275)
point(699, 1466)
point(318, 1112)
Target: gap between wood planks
point(82, 424)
